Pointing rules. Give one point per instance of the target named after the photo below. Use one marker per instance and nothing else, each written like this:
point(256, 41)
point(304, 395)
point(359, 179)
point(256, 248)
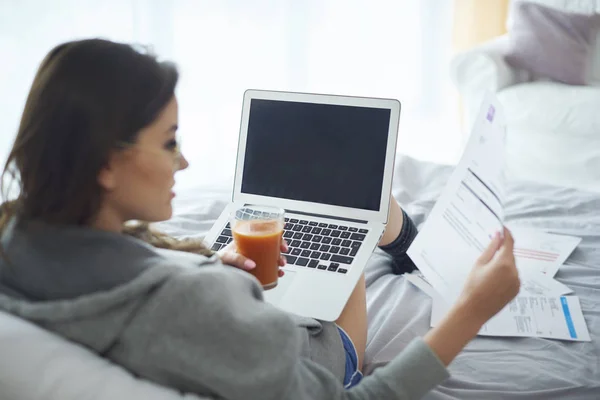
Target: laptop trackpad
point(275, 295)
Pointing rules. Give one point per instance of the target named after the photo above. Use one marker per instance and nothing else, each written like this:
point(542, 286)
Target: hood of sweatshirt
point(75, 279)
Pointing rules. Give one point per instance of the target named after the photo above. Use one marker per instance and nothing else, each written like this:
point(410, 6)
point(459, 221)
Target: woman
point(95, 149)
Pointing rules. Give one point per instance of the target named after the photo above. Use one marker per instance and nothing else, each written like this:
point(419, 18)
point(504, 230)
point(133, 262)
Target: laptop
point(328, 161)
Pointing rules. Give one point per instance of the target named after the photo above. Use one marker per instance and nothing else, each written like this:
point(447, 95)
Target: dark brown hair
point(87, 97)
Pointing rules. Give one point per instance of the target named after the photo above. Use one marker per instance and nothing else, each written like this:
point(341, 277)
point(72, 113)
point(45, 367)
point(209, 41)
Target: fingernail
point(249, 264)
point(285, 245)
point(284, 260)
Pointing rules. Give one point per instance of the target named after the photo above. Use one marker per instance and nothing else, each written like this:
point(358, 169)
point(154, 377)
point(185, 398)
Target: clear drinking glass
point(258, 232)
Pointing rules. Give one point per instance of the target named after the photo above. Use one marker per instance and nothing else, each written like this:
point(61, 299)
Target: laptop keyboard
point(327, 247)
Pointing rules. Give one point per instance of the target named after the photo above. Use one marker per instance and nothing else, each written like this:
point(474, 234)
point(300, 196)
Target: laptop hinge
point(328, 216)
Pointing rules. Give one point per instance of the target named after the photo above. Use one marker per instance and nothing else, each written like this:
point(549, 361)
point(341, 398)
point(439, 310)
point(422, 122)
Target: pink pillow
point(553, 44)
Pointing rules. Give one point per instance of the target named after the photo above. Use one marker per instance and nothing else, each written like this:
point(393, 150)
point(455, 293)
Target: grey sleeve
point(209, 332)
point(412, 374)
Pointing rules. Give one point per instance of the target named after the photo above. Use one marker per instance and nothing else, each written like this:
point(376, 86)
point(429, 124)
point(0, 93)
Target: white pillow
point(569, 161)
point(36, 364)
point(553, 108)
point(553, 133)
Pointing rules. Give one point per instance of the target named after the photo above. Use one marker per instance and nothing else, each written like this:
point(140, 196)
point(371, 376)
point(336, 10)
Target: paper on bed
point(540, 251)
point(419, 281)
point(549, 317)
point(537, 284)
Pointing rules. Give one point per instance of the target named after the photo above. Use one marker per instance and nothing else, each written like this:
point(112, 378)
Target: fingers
point(237, 260)
point(506, 253)
point(509, 264)
point(282, 261)
point(284, 249)
point(229, 256)
point(509, 242)
point(489, 252)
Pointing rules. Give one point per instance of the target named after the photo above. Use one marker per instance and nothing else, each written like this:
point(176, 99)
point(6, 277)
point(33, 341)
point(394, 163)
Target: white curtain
point(382, 48)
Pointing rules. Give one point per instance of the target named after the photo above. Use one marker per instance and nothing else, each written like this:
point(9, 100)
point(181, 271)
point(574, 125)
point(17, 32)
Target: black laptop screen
point(321, 153)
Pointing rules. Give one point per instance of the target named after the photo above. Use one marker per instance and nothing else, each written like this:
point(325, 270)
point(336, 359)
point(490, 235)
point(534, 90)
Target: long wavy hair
point(86, 98)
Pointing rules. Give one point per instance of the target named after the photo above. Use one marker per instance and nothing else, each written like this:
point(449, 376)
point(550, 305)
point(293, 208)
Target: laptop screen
point(322, 153)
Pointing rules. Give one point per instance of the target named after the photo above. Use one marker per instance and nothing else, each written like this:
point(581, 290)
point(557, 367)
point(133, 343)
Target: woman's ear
point(106, 178)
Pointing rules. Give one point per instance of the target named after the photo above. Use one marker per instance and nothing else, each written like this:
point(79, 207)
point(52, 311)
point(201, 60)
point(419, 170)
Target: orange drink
point(258, 232)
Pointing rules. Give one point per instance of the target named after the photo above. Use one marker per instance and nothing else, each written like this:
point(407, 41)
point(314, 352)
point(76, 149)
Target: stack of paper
point(465, 218)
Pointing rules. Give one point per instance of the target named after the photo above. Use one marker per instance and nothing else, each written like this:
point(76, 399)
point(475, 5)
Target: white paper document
point(540, 251)
point(532, 316)
point(469, 211)
point(419, 281)
point(537, 284)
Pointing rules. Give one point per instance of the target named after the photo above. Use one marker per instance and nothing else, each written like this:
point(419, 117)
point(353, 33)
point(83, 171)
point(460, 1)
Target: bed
point(489, 368)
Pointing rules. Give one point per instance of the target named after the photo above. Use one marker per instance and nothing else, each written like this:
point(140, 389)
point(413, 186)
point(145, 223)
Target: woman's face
point(138, 181)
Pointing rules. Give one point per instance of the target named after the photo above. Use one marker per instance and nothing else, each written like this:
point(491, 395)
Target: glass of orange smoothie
point(258, 232)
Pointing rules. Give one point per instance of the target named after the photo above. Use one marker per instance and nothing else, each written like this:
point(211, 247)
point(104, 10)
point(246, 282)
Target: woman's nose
point(183, 163)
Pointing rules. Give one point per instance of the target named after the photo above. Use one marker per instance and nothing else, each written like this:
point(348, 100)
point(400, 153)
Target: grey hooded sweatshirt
point(186, 321)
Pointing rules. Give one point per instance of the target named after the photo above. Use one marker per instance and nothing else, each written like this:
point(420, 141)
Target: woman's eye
point(172, 145)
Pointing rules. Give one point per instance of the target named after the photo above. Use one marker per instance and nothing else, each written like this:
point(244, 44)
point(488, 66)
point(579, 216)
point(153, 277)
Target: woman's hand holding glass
point(230, 256)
